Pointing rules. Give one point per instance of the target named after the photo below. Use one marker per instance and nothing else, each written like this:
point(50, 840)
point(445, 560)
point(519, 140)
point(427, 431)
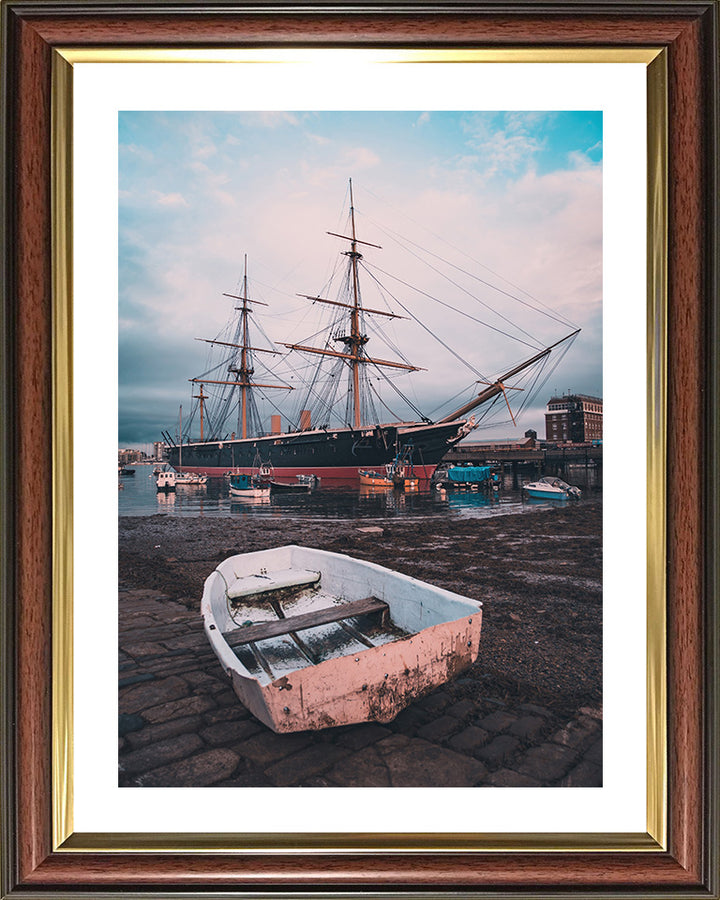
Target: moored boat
point(165, 481)
point(190, 478)
point(312, 639)
point(473, 477)
point(551, 488)
point(291, 487)
point(248, 486)
point(374, 479)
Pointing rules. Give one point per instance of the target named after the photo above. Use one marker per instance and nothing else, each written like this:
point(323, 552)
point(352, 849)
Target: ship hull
point(332, 455)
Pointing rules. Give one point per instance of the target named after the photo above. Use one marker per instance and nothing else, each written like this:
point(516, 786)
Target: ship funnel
point(305, 420)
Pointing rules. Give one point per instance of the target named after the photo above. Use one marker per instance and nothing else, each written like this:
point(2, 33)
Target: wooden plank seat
point(251, 633)
point(271, 581)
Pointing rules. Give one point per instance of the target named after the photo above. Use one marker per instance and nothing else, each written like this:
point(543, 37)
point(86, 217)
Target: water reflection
point(139, 497)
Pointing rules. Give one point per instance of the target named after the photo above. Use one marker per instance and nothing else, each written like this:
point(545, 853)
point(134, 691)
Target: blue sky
point(512, 197)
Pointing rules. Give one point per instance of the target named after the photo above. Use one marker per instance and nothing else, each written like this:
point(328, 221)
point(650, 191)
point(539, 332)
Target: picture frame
point(41, 855)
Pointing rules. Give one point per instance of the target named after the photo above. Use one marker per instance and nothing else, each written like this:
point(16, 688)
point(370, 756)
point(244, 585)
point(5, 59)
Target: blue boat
point(243, 485)
point(549, 488)
point(469, 476)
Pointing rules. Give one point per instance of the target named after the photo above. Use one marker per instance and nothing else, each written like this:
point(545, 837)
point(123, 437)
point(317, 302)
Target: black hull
point(331, 454)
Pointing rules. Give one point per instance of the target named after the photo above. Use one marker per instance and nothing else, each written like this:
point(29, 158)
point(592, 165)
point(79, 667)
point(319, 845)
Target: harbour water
point(138, 496)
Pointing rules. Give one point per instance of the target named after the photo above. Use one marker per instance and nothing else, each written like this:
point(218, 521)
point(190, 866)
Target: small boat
point(551, 488)
point(375, 479)
point(125, 473)
point(312, 480)
point(248, 486)
point(466, 476)
point(401, 470)
point(312, 639)
point(191, 478)
point(289, 487)
point(166, 481)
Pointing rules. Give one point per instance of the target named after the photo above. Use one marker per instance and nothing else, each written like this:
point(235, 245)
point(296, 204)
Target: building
point(576, 418)
point(126, 457)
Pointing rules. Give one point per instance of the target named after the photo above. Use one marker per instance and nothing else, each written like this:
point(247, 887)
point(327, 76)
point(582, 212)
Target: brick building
point(575, 417)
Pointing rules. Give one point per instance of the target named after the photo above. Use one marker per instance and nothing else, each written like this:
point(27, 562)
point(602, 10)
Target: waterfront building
point(577, 418)
point(126, 457)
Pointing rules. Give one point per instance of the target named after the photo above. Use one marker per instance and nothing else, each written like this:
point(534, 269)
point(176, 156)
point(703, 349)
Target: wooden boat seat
point(271, 581)
point(264, 630)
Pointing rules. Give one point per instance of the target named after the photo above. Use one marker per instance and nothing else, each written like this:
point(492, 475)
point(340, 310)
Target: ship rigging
point(337, 426)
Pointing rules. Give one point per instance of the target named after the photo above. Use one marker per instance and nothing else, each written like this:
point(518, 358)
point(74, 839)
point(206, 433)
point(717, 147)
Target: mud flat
point(529, 712)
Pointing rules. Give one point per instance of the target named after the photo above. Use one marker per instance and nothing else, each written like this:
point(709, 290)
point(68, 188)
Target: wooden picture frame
point(35, 569)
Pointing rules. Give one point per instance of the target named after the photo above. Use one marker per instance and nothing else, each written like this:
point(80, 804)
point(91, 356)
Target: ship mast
point(243, 373)
point(355, 340)
point(202, 397)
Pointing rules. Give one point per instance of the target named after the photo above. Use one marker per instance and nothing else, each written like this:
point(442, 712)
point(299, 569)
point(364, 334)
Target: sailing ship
point(356, 442)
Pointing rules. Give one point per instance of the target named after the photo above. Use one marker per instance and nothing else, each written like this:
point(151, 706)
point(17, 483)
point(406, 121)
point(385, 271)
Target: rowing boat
point(312, 639)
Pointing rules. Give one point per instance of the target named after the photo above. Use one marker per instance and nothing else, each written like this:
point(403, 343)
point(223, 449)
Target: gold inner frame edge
point(64, 839)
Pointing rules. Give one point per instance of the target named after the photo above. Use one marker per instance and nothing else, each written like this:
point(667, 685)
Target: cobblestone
point(230, 732)
point(439, 729)
point(161, 752)
point(470, 740)
point(547, 762)
point(462, 709)
point(577, 734)
point(359, 736)
point(509, 778)
point(267, 747)
point(142, 696)
point(201, 770)
point(499, 750)
point(399, 761)
point(151, 734)
point(497, 721)
point(308, 763)
point(585, 774)
point(527, 727)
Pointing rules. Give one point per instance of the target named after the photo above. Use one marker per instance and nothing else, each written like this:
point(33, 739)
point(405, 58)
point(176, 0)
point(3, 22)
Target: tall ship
point(337, 430)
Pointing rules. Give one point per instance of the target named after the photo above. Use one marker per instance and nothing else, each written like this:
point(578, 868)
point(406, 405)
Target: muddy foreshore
point(539, 576)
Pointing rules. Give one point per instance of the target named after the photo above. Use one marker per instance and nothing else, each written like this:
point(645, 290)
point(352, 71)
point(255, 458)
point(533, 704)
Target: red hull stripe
point(334, 473)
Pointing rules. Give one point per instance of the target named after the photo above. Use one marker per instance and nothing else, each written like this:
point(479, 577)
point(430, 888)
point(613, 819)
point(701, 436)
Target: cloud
point(358, 158)
point(423, 118)
point(275, 200)
point(506, 146)
point(173, 199)
point(274, 119)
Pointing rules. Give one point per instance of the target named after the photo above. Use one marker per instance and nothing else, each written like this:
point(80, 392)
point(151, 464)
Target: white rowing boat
point(312, 639)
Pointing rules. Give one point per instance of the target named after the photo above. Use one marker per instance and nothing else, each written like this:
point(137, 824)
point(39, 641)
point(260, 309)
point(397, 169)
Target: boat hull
point(439, 639)
point(542, 494)
point(374, 479)
point(332, 455)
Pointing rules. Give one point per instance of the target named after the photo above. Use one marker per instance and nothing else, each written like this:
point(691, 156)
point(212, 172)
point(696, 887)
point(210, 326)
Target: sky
point(487, 222)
